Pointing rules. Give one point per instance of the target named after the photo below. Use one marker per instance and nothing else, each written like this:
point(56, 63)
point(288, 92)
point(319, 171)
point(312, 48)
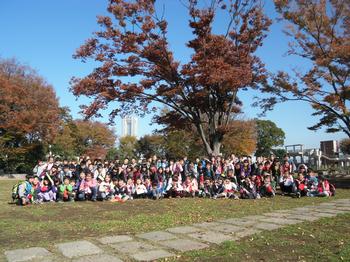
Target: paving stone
point(157, 236)
point(207, 225)
point(184, 245)
point(321, 215)
point(327, 204)
point(347, 201)
point(247, 232)
point(228, 229)
point(26, 254)
point(98, 258)
point(302, 217)
point(78, 248)
point(280, 221)
point(238, 222)
point(302, 209)
point(284, 211)
point(330, 211)
point(253, 218)
point(114, 239)
point(277, 214)
point(342, 205)
point(344, 208)
point(152, 255)
point(132, 247)
point(267, 226)
point(211, 237)
point(183, 230)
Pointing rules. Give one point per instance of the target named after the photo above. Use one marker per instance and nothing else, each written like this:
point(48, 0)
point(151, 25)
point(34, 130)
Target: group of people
point(218, 177)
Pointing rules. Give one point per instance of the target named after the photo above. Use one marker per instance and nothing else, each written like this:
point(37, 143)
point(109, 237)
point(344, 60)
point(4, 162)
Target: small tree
point(150, 145)
point(269, 136)
point(78, 137)
point(127, 147)
point(134, 43)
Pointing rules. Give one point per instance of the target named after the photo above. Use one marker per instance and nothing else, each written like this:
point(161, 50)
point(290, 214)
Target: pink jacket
point(87, 184)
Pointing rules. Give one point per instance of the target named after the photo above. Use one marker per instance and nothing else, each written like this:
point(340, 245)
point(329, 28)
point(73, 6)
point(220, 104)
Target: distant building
point(129, 126)
point(330, 152)
point(329, 148)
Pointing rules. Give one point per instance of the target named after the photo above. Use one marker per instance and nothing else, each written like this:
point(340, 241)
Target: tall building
point(129, 126)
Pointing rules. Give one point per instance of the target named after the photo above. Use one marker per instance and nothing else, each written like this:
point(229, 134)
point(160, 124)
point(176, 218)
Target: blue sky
point(44, 34)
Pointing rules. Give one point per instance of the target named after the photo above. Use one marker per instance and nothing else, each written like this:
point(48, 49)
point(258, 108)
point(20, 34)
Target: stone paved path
point(172, 241)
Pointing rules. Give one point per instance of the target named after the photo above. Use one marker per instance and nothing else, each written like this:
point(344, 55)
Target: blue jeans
point(82, 195)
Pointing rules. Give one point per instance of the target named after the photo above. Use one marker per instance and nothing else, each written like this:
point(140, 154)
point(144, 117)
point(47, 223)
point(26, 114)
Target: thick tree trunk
point(216, 148)
point(213, 146)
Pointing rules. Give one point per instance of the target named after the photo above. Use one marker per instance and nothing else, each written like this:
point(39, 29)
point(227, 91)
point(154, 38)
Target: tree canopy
point(78, 137)
point(29, 114)
point(320, 33)
point(268, 136)
point(133, 42)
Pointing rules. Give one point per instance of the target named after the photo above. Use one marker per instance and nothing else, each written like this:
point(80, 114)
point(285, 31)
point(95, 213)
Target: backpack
point(15, 190)
point(332, 189)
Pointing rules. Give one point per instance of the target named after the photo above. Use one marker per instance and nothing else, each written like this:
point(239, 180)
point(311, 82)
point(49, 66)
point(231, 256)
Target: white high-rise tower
point(129, 126)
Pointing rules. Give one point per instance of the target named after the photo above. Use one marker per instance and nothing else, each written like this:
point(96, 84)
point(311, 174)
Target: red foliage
point(133, 42)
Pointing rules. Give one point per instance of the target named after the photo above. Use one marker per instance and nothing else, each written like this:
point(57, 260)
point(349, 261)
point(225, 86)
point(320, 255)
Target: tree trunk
point(213, 146)
point(216, 148)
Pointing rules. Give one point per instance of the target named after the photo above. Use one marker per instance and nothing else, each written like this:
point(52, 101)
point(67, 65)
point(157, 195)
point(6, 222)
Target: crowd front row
point(216, 178)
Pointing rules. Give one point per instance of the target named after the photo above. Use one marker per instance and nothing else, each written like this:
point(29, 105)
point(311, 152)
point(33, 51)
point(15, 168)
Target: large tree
point(134, 43)
point(320, 33)
point(29, 114)
point(268, 137)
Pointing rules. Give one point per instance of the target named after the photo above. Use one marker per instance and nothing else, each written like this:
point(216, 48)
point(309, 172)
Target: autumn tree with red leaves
point(134, 43)
point(77, 138)
point(29, 114)
point(320, 32)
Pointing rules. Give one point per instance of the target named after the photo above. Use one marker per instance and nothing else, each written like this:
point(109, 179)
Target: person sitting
point(248, 189)
point(323, 187)
point(267, 188)
point(190, 187)
point(105, 189)
point(48, 190)
point(65, 192)
point(88, 188)
point(140, 189)
point(301, 185)
point(230, 189)
point(287, 184)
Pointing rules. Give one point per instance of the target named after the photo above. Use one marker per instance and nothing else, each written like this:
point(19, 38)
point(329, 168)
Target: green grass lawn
point(327, 239)
point(47, 224)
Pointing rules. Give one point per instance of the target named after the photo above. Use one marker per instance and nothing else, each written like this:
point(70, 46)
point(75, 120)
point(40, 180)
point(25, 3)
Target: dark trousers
point(83, 196)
